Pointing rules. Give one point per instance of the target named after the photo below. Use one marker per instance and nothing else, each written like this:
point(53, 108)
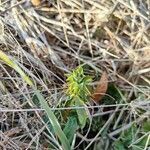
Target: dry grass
point(51, 39)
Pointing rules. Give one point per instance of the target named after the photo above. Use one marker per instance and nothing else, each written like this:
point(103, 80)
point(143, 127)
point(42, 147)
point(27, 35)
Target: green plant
point(134, 138)
point(53, 120)
point(125, 139)
point(78, 85)
point(79, 92)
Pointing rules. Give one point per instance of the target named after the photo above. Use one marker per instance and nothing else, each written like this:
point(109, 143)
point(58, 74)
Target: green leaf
point(118, 145)
point(146, 126)
point(70, 128)
point(126, 138)
point(141, 144)
point(82, 113)
point(78, 84)
point(35, 100)
point(129, 135)
point(54, 122)
point(13, 65)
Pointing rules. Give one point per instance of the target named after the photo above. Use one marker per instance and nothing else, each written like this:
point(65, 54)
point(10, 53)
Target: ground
point(42, 41)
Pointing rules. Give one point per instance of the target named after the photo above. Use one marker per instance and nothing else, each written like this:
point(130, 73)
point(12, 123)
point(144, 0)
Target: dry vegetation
point(48, 39)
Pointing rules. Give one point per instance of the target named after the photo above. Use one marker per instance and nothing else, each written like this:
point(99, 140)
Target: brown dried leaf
point(101, 88)
point(36, 2)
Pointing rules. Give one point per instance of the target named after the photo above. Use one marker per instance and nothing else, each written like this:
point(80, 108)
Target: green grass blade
point(53, 120)
point(71, 128)
point(12, 64)
point(82, 113)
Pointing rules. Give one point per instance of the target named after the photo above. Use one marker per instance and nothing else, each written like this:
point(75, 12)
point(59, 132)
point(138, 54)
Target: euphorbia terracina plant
point(78, 91)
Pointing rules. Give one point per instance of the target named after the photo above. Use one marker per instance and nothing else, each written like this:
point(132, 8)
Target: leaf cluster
point(78, 84)
point(79, 91)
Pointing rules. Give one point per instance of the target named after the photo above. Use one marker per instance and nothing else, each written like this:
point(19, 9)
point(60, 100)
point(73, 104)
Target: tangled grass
point(51, 39)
